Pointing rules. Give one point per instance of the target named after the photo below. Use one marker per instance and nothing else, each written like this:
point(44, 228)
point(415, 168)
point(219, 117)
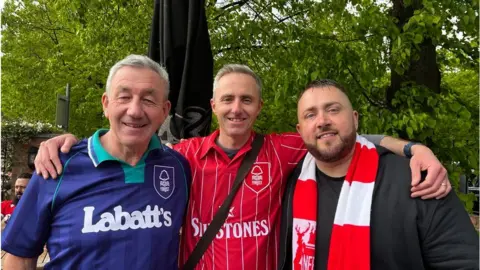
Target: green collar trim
point(101, 155)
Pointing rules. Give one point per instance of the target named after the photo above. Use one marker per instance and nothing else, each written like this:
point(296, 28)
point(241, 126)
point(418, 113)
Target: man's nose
point(323, 120)
point(236, 106)
point(135, 109)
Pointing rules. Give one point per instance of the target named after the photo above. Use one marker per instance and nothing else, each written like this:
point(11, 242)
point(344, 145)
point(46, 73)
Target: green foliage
point(22, 131)
point(47, 44)
point(358, 43)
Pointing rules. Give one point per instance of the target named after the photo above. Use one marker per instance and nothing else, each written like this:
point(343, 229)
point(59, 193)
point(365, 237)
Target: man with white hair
point(120, 201)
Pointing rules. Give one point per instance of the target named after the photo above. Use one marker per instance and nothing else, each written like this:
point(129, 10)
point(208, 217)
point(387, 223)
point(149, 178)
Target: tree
point(47, 44)
point(389, 54)
point(410, 65)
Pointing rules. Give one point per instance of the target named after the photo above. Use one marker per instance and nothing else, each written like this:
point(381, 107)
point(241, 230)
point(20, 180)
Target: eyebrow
point(326, 105)
point(329, 104)
point(123, 89)
point(231, 95)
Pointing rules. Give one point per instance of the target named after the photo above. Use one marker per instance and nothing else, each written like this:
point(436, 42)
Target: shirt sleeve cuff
point(20, 252)
point(375, 139)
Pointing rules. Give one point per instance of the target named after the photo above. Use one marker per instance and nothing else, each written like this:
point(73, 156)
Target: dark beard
point(337, 152)
point(16, 200)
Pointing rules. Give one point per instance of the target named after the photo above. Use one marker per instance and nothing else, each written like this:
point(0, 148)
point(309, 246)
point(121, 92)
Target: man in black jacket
point(390, 230)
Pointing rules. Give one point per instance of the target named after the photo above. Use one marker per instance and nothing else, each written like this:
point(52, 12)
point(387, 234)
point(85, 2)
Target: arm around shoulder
point(450, 240)
point(374, 138)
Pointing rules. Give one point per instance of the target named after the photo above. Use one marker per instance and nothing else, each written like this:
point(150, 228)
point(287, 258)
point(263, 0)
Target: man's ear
point(355, 119)
point(166, 108)
point(105, 102)
point(212, 104)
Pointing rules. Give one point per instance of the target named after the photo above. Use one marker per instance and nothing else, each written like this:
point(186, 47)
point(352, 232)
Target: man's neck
point(338, 168)
point(130, 155)
point(233, 143)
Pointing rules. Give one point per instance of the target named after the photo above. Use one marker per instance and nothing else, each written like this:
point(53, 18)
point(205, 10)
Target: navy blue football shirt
point(103, 213)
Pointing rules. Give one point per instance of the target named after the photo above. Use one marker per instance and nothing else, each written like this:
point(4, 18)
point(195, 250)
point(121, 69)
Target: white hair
point(237, 68)
point(138, 61)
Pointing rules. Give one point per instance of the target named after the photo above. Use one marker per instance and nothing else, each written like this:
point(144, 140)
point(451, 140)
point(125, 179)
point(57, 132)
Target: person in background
point(9, 205)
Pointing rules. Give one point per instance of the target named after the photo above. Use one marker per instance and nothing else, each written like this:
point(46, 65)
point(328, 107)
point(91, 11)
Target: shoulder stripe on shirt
point(90, 153)
point(60, 180)
point(294, 148)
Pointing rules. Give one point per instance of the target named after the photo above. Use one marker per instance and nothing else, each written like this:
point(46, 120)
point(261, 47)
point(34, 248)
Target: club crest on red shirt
point(259, 177)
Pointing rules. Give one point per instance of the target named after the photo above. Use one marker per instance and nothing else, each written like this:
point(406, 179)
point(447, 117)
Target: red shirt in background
point(7, 209)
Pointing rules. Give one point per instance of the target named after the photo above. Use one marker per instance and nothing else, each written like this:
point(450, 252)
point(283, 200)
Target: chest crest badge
point(164, 180)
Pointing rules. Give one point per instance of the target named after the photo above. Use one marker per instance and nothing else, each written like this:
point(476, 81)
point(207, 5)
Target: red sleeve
point(290, 145)
point(184, 146)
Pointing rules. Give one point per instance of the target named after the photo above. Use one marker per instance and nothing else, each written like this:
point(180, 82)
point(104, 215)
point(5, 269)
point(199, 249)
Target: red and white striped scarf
point(350, 240)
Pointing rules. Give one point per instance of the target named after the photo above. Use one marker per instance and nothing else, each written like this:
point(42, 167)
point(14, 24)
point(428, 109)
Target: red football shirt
point(7, 209)
point(249, 239)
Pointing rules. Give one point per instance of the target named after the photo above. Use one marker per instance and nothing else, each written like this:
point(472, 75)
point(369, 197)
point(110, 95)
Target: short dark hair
point(319, 83)
point(25, 175)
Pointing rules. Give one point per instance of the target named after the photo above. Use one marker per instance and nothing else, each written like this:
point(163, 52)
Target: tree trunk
point(425, 70)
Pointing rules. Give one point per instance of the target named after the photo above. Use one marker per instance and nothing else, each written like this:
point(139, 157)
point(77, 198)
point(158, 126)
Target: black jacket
point(406, 233)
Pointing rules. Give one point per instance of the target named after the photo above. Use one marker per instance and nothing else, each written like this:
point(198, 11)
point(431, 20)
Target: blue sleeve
point(28, 229)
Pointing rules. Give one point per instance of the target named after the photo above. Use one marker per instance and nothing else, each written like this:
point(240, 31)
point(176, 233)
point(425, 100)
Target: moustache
point(324, 130)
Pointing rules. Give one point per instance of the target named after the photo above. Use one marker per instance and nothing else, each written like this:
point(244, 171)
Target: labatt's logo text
point(120, 220)
point(235, 230)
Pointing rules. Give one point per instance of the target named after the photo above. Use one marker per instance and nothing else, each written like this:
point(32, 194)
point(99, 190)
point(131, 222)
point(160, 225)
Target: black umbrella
point(179, 40)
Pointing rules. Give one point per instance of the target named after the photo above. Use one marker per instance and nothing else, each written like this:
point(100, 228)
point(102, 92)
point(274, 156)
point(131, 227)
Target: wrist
point(417, 147)
point(408, 149)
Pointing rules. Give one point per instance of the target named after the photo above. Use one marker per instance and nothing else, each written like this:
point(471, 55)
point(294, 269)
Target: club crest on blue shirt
point(164, 180)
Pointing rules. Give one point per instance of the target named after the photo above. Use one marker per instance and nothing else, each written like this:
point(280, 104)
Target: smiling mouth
point(236, 119)
point(326, 135)
point(134, 125)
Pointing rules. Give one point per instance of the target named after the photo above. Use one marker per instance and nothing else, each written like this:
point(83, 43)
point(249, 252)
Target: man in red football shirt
point(249, 239)
point(9, 205)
